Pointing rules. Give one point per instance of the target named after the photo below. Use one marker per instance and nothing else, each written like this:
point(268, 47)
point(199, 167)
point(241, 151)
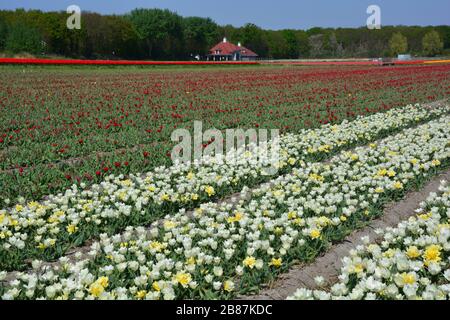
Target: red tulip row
point(117, 62)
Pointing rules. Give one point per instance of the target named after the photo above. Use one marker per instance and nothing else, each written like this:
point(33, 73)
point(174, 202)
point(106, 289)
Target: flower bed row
point(46, 230)
point(225, 250)
point(412, 262)
point(22, 61)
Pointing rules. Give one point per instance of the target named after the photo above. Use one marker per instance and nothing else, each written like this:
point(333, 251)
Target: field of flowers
point(60, 127)
point(223, 250)
point(91, 206)
point(412, 262)
point(48, 229)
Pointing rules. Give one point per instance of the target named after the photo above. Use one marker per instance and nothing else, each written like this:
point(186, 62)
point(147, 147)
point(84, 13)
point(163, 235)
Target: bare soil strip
point(329, 264)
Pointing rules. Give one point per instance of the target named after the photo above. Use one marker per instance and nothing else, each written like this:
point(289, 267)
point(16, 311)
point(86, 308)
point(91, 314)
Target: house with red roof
point(227, 51)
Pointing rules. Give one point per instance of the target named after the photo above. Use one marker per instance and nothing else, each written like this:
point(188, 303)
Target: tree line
point(159, 34)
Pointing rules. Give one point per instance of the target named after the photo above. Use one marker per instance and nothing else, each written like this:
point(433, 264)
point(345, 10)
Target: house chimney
point(224, 40)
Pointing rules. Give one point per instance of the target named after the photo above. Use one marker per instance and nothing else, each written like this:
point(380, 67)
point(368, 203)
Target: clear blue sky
point(270, 14)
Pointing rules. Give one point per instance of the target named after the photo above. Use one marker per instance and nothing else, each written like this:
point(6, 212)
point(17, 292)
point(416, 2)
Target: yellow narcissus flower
point(156, 245)
point(33, 204)
point(324, 148)
point(316, 177)
point(249, 262)
point(432, 254)
point(292, 215)
point(237, 217)
point(169, 224)
point(98, 287)
point(391, 173)
point(278, 231)
point(435, 163)
point(19, 208)
point(278, 193)
point(382, 172)
point(314, 234)
point(228, 286)
point(323, 221)
point(183, 278)
point(389, 253)
point(156, 286)
point(71, 228)
point(407, 278)
point(122, 195)
point(194, 196)
point(210, 191)
point(412, 252)
point(425, 216)
point(357, 268)
point(2, 217)
point(165, 197)
point(398, 185)
point(126, 183)
point(379, 190)
point(104, 281)
point(141, 294)
point(276, 262)
point(190, 175)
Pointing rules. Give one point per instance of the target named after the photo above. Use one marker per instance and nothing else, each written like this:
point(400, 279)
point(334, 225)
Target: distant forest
point(157, 34)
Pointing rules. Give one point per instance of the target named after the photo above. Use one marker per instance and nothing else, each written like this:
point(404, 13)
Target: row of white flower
point(412, 262)
point(224, 249)
point(46, 229)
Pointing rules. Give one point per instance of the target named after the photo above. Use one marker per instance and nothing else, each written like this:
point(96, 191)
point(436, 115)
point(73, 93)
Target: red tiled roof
point(228, 48)
point(247, 52)
point(225, 48)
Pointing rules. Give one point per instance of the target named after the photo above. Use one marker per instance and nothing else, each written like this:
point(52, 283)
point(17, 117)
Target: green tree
point(200, 34)
point(23, 38)
point(316, 44)
point(160, 31)
point(253, 37)
point(292, 44)
point(303, 43)
point(398, 44)
point(277, 46)
point(3, 33)
point(432, 44)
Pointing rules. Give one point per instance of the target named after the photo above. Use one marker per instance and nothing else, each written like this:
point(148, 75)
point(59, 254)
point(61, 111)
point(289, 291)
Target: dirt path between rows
point(329, 264)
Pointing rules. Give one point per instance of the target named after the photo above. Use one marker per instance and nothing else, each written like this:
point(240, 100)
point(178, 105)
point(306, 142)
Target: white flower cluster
point(223, 249)
point(49, 227)
point(412, 262)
